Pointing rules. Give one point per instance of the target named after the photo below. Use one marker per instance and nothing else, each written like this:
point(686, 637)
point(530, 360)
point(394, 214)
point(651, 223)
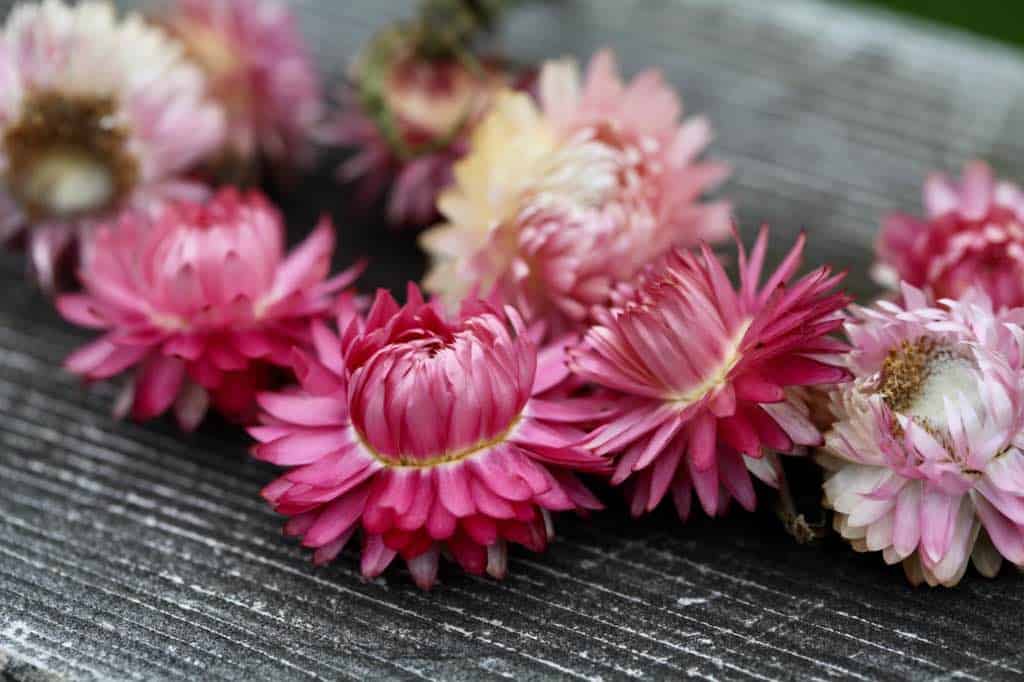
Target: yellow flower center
point(718, 374)
point(413, 462)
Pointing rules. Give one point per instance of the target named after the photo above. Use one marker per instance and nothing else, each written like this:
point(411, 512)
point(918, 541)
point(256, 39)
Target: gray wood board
point(128, 551)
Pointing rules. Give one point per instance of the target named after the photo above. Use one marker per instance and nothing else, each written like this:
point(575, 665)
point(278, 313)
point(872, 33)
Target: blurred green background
point(999, 19)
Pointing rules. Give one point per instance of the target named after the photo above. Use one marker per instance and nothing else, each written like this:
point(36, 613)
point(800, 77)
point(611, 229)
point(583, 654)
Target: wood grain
point(128, 552)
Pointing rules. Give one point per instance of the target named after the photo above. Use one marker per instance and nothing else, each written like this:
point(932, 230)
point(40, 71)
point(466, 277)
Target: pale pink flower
point(97, 114)
point(428, 435)
point(423, 112)
point(972, 236)
point(552, 206)
point(700, 378)
point(201, 303)
point(260, 71)
point(924, 458)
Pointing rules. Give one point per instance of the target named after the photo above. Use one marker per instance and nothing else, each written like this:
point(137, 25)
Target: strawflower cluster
point(580, 333)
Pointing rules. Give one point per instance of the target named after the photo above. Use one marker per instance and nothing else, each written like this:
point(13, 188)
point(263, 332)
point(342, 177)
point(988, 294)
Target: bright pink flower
point(201, 301)
point(699, 376)
point(552, 206)
point(261, 72)
point(973, 235)
point(97, 113)
point(924, 458)
point(406, 149)
point(429, 434)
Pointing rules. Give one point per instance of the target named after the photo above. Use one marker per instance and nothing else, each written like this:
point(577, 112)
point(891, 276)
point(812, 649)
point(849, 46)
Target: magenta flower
point(924, 458)
point(96, 114)
point(555, 203)
point(201, 302)
point(261, 72)
point(973, 235)
point(700, 377)
point(430, 435)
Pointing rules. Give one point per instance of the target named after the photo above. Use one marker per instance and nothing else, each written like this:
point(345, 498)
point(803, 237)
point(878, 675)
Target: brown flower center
point(68, 156)
point(918, 376)
point(904, 372)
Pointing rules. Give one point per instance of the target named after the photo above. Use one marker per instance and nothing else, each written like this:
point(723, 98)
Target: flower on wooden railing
point(201, 302)
point(425, 435)
point(700, 377)
point(924, 457)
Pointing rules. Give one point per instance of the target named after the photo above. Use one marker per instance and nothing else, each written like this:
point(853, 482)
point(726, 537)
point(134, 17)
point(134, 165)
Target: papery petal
point(156, 386)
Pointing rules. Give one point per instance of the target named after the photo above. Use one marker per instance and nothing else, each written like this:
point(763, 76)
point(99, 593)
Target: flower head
point(924, 457)
point(96, 114)
point(261, 73)
point(408, 122)
point(700, 376)
point(973, 235)
point(428, 434)
point(552, 206)
point(201, 301)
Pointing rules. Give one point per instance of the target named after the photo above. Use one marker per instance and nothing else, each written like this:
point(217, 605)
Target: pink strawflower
point(200, 301)
point(924, 458)
point(552, 206)
point(405, 143)
point(429, 434)
point(261, 72)
point(701, 378)
point(97, 114)
point(972, 235)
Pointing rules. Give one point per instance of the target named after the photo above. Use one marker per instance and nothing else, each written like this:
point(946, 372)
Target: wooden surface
point(127, 551)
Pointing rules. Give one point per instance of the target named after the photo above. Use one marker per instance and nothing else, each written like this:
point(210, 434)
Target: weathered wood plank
point(127, 551)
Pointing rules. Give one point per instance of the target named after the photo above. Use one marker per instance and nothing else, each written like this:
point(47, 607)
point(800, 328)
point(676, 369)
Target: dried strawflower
point(417, 90)
point(407, 120)
point(552, 206)
point(426, 434)
point(700, 377)
point(260, 71)
point(201, 303)
point(924, 457)
point(96, 114)
point(972, 236)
